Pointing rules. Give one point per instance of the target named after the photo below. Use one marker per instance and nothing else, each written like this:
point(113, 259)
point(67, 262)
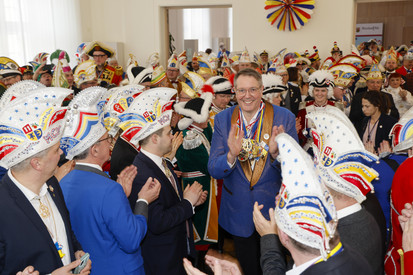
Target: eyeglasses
point(99, 55)
point(109, 139)
point(252, 91)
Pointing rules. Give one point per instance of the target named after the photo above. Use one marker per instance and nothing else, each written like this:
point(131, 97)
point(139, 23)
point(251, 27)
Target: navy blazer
point(24, 239)
point(166, 242)
point(384, 126)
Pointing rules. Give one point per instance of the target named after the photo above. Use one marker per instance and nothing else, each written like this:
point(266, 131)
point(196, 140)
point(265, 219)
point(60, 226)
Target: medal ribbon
point(253, 126)
point(337, 250)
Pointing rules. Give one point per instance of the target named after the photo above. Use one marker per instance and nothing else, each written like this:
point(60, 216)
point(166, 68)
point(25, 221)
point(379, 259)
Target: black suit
point(383, 129)
point(356, 114)
point(165, 244)
point(123, 155)
point(24, 239)
point(292, 99)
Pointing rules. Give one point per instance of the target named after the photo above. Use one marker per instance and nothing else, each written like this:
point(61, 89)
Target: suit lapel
point(160, 175)
point(30, 212)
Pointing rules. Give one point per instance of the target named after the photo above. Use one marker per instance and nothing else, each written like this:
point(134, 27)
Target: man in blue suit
point(243, 153)
point(99, 209)
point(35, 227)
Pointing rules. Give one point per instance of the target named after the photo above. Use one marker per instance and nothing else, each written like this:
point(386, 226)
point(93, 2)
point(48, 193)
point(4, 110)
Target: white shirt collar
point(154, 158)
point(348, 210)
point(90, 165)
point(253, 118)
point(296, 270)
point(29, 194)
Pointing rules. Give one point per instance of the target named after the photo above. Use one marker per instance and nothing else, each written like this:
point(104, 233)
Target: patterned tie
point(169, 175)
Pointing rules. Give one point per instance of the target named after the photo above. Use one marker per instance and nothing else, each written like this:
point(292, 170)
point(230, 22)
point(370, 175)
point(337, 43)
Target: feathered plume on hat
point(272, 84)
point(218, 85)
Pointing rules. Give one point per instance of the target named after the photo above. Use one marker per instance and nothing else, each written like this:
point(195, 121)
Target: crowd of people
point(303, 162)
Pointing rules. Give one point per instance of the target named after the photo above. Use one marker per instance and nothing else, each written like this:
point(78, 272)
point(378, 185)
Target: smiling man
point(243, 156)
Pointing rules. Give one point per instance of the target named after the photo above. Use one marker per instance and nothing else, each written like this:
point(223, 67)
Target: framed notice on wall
point(365, 32)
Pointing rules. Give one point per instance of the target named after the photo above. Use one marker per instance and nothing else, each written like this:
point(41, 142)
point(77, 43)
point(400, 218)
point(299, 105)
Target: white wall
point(139, 25)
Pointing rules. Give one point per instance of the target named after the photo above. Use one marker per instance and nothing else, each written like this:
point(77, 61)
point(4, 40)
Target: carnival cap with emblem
point(343, 73)
point(149, 112)
point(314, 56)
point(85, 71)
point(225, 63)
point(158, 75)
point(84, 121)
point(173, 62)
point(196, 109)
point(218, 85)
point(119, 101)
point(343, 162)
point(302, 59)
point(205, 66)
point(245, 57)
point(39, 59)
point(26, 69)
point(305, 210)
point(153, 60)
point(402, 133)
point(99, 46)
point(374, 72)
point(183, 63)
point(321, 79)
point(272, 84)
point(335, 49)
point(30, 124)
point(19, 89)
point(390, 54)
point(138, 74)
point(8, 67)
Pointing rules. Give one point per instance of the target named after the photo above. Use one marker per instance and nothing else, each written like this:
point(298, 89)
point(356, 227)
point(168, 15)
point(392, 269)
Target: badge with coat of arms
point(149, 116)
point(32, 132)
point(328, 157)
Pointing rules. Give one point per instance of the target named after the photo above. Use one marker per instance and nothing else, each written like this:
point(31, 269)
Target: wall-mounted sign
point(365, 32)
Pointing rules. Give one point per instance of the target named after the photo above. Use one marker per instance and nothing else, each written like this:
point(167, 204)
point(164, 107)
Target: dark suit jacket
point(24, 239)
point(294, 98)
point(165, 244)
point(123, 155)
point(356, 114)
point(383, 129)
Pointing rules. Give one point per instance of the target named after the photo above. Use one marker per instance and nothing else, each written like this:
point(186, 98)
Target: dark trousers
point(248, 253)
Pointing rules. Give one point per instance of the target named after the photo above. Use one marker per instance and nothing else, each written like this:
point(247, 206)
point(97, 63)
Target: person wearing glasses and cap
point(105, 74)
point(99, 210)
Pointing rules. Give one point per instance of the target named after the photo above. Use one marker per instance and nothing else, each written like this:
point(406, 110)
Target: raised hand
point(262, 225)
point(234, 143)
point(126, 177)
point(150, 191)
point(273, 151)
point(193, 192)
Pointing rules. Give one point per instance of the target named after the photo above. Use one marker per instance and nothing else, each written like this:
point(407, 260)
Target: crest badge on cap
point(31, 124)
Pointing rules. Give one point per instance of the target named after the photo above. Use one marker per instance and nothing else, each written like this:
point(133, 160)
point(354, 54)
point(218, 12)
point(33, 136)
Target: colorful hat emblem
point(305, 210)
point(85, 72)
point(31, 124)
point(173, 61)
point(343, 73)
point(374, 73)
point(85, 124)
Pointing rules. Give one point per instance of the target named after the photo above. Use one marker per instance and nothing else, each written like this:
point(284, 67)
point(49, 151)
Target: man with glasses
point(99, 209)
point(105, 74)
point(243, 154)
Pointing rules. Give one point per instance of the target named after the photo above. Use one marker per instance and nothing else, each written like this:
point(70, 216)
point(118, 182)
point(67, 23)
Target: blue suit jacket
point(24, 239)
point(166, 244)
point(237, 199)
point(104, 222)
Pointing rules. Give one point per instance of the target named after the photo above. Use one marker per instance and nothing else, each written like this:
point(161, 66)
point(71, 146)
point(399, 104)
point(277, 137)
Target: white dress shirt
point(54, 222)
point(296, 270)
